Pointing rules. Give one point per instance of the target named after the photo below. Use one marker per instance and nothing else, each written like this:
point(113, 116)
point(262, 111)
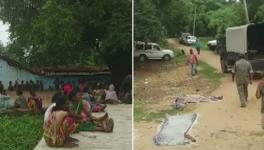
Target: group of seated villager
point(71, 111)
point(33, 103)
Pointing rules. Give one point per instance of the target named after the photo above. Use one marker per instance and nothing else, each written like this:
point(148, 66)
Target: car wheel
point(142, 58)
point(166, 57)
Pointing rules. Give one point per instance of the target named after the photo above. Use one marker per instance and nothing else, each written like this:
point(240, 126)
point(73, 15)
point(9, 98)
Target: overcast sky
point(3, 33)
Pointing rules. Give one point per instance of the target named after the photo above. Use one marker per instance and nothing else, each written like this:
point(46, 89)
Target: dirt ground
point(221, 125)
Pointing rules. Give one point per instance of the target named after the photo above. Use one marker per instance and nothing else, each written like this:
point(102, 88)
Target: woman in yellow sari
point(59, 124)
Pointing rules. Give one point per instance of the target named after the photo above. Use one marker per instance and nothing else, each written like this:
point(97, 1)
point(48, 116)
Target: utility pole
point(246, 11)
point(194, 19)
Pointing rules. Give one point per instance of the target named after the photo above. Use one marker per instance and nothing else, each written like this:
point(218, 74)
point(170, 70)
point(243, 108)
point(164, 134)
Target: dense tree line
point(80, 32)
point(156, 19)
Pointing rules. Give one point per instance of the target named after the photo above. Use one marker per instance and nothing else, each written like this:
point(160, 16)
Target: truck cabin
point(249, 40)
point(255, 46)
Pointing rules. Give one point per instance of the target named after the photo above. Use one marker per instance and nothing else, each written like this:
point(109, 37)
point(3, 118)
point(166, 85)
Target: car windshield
point(148, 47)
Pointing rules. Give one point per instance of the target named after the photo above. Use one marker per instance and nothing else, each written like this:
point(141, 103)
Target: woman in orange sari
point(59, 124)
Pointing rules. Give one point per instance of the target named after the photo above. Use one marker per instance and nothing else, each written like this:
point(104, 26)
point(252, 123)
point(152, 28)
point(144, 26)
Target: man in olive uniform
point(244, 75)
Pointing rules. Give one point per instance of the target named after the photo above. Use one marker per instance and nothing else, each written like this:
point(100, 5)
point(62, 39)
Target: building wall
point(10, 73)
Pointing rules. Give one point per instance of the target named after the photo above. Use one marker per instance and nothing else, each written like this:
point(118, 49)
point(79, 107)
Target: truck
point(246, 39)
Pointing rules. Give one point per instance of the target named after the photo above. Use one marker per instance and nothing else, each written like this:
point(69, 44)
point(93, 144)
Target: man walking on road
point(197, 46)
point(244, 75)
point(193, 62)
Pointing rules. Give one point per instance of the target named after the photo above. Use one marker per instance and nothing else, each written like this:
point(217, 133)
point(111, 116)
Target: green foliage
point(204, 41)
point(20, 132)
point(260, 14)
point(85, 32)
point(253, 8)
point(226, 17)
point(148, 26)
point(210, 73)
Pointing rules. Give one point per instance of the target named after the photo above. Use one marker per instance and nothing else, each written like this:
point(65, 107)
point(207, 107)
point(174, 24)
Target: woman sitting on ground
point(59, 124)
point(20, 102)
point(34, 102)
point(83, 109)
point(96, 107)
point(111, 96)
point(99, 94)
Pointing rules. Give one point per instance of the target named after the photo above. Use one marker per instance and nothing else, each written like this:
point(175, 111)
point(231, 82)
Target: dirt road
point(221, 126)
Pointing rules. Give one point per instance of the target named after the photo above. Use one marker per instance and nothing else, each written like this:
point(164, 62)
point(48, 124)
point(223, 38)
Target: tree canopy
point(170, 17)
point(80, 32)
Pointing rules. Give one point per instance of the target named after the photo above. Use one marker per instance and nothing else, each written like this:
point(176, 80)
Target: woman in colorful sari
point(83, 109)
point(96, 107)
point(99, 93)
point(34, 102)
point(59, 124)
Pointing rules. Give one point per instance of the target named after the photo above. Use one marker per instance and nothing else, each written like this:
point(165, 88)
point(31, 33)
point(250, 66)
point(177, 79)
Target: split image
point(62, 85)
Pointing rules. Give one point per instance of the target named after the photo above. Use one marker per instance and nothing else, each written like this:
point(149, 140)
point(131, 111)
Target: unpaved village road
point(221, 126)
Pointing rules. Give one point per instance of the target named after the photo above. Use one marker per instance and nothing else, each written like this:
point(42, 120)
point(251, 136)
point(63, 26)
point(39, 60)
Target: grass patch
point(210, 73)
point(203, 42)
point(142, 113)
point(20, 132)
point(179, 56)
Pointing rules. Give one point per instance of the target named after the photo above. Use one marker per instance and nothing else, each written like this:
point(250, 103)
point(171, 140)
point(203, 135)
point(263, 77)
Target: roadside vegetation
point(211, 74)
point(20, 132)
point(203, 42)
point(143, 113)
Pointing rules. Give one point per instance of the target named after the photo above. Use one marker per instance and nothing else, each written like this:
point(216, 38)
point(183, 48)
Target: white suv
point(145, 51)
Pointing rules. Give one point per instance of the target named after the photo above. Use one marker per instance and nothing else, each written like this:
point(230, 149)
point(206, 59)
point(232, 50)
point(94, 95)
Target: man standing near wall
point(244, 75)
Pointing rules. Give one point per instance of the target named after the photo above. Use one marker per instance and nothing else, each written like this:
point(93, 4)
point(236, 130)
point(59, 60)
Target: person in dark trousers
point(243, 72)
point(260, 94)
point(198, 46)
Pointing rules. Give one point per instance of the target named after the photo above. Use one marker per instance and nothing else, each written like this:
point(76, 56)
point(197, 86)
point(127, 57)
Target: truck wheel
point(142, 58)
point(223, 67)
point(166, 57)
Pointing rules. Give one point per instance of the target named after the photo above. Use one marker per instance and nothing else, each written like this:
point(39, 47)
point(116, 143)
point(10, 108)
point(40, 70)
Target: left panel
point(66, 74)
